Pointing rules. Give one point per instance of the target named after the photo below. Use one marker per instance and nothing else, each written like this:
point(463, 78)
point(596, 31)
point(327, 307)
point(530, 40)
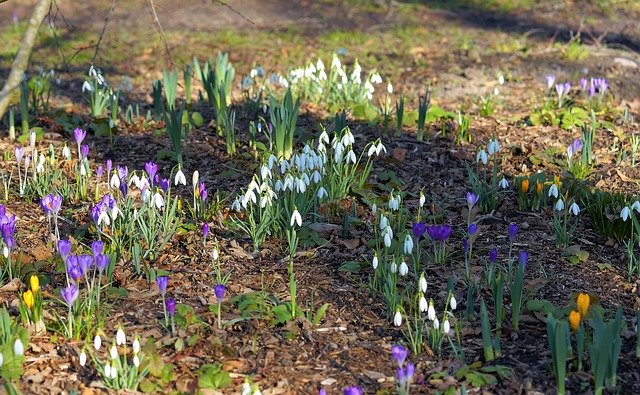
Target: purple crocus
point(51, 204)
point(99, 171)
point(124, 188)
point(465, 246)
point(513, 231)
point(439, 232)
point(322, 391)
point(473, 229)
point(352, 391)
point(102, 261)
point(523, 256)
point(122, 172)
point(583, 84)
point(405, 376)
point(550, 80)
point(205, 231)
point(418, 230)
point(164, 184)
point(203, 192)
point(64, 248)
point(493, 255)
point(69, 294)
point(171, 306)
point(19, 152)
point(399, 353)
point(85, 261)
point(97, 247)
point(84, 150)
point(79, 135)
point(73, 267)
point(162, 282)
point(574, 147)
point(472, 199)
point(219, 290)
point(151, 169)
point(109, 166)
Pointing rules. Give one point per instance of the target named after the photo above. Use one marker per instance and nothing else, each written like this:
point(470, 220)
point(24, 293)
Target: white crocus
point(482, 157)
point(453, 302)
point(32, 139)
point(624, 214)
point(574, 208)
point(397, 318)
point(121, 338)
point(423, 283)
point(408, 244)
point(553, 191)
point(97, 342)
point(18, 347)
point(431, 312)
point(83, 358)
point(446, 326)
point(559, 205)
point(195, 178)
point(404, 269)
point(180, 178)
point(296, 218)
point(422, 304)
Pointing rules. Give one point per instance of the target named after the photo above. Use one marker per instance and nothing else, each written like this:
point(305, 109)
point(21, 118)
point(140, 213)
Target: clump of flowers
point(122, 370)
point(7, 231)
point(31, 306)
point(405, 372)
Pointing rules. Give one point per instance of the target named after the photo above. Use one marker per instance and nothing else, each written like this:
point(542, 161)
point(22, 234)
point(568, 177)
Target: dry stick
point(104, 28)
point(224, 4)
point(21, 61)
point(159, 27)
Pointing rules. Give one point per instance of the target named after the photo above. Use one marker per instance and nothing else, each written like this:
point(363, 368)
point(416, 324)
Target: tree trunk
point(21, 61)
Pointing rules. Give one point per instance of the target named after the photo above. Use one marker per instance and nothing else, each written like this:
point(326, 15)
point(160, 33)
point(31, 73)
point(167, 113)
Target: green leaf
point(320, 314)
point(197, 119)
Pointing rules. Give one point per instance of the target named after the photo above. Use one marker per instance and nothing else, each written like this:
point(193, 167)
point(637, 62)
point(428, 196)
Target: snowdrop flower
point(493, 147)
point(384, 222)
point(559, 205)
point(446, 326)
point(624, 214)
point(66, 152)
point(388, 236)
point(394, 267)
point(482, 157)
point(180, 178)
point(431, 312)
point(113, 352)
point(422, 200)
point(553, 191)
point(86, 86)
point(574, 209)
point(136, 361)
point(374, 208)
point(422, 304)
point(40, 165)
point(436, 324)
point(107, 370)
point(158, 200)
point(504, 184)
point(389, 88)
point(115, 181)
point(296, 218)
point(322, 193)
point(114, 372)
point(374, 261)
point(18, 347)
point(423, 283)
point(120, 337)
point(404, 269)
point(83, 358)
point(397, 318)
point(372, 150)
point(1, 360)
point(636, 206)
point(136, 346)
point(408, 244)
point(97, 342)
point(501, 79)
point(453, 302)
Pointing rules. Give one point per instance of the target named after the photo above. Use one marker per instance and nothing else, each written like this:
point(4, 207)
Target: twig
point(224, 4)
point(104, 28)
point(159, 27)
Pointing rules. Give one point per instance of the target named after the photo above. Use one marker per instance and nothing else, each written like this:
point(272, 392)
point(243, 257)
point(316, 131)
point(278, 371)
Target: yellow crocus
point(539, 187)
point(28, 299)
point(524, 187)
point(34, 281)
point(583, 304)
point(574, 320)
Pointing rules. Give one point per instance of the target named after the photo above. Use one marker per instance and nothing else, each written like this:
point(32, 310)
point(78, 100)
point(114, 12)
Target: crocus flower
point(164, 184)
point(419, 229)
point(219, 290)
point(583, 83)
point(550, 80)
point(399, 353)
point(574, 320)
point(73, 268)
point(109, 166)
point(354, 390)
point(51, 204)
point(322, 391)
point(19, 153)
point(79, 135)
point(85, 261)
point(97, 247)
point(439, 232)
point(513, 231)
point(493, 255)
point(102, 261)
point(34, 282)
point(472, 198)
point(473, 228)
point(205, 231)
point(99, 171)
point(69, 294)
point(84, 150)
point(203, 192)
point(162, 282)
point(583, 301)
point(151, 169)
point(171, 306)
point(64, 248)
point(523, 256)
point(28, 299)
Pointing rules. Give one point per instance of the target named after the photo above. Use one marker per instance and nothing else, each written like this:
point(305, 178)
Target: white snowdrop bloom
point(319, 65)
point(393, 267)
point(372, 150)
point(278, 186)
point(136, 361)
point(66, 152)
point(431, 312)
point(397, 318)
point(296, 218)
point(408, 244)
point(253, 73)
point(374, 208)
point(389, 88)
point(344, 80)
point(453, 302)
point(387, 240)
point(115, 181)
point(284, 166)
point(180, 178)
point(301, 186)
point(493, 147)
point(1, 359)
point(351, 157)
point(422, 200)
point(335, 62)
point(380, 148)
point(288, 182)
point(40, 165)
point(215, 254)
point(103, 219)
point(482, 157)
point(272, 161)
point(559, 205)
point(114, 372)
point(422, 283)
point(316, 177)
point(18, 347)
point(376, 78)
point(384, 222)
point(113, 352)
point(374, 262)
point(324, 137)
point(348, 138)
point(624, 214)
point(83, 358)
point(436, 324)
point(195, 177)
point(136, 345)
point(97, 342)
point(235, 206)
point(553, 191)
point(115, 212)
point(86, 86)
point(322, 193)
point(337, 153)
point(504, 184)
point(422, 304)
point(83, 170)
point(636, 206)
point(446, 326)
point(574, 208)
point(158, 200)
point(121, 338)
point(404, 269)
point(107, 370)
point(134, 179)
point(5, 252)
point(501, 79)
